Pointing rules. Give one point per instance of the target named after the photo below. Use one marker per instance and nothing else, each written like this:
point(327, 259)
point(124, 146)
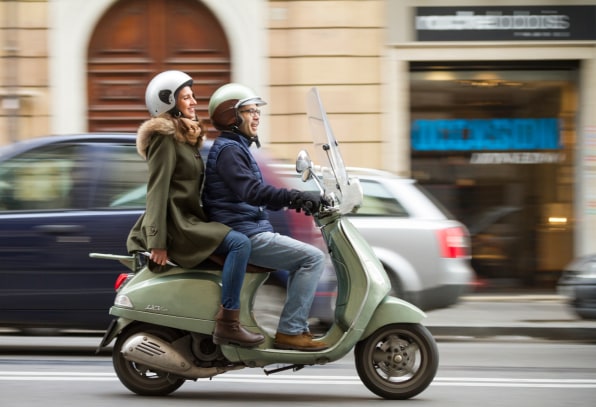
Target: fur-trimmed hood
point(181, 129)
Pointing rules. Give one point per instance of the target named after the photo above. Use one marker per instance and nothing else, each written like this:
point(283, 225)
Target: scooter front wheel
point(397, 361)
point(141, 379)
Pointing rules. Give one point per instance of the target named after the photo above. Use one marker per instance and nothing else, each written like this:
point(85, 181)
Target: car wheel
point(396, 285)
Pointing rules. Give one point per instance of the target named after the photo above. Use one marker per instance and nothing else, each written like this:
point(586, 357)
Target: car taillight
point(120, 280)
point(453, 243)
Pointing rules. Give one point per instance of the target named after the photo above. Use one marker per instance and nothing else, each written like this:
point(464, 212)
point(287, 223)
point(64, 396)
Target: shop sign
point(523, 157)
point(513, 23)
point(485, 134)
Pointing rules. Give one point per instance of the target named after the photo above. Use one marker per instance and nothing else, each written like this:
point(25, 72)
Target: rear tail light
point(453, 243)
point(121, 280)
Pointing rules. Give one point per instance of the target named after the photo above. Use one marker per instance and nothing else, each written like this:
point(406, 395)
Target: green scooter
point(163, 328)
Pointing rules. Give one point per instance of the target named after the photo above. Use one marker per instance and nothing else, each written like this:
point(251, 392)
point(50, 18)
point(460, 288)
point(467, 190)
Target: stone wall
point(337, 47)
point(24, 85)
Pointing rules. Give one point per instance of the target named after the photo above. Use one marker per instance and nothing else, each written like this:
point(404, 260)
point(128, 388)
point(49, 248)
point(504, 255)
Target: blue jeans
point(236, 248)
point(304, 263)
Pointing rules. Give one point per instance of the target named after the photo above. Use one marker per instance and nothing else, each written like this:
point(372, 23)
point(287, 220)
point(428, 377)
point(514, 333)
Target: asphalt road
point(500, 372)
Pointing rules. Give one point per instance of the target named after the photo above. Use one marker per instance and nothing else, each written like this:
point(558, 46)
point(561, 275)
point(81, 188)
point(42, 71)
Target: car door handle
point(59, 229)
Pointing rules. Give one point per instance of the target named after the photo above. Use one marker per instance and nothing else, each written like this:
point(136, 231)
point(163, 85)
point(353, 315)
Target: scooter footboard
point(392, 311)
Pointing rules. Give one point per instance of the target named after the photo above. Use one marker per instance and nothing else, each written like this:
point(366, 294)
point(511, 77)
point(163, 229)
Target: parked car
point(64, 197)
point(425, 251)
point(578, 284)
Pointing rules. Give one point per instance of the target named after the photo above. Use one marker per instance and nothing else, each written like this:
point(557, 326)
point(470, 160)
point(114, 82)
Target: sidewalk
point(516, 315)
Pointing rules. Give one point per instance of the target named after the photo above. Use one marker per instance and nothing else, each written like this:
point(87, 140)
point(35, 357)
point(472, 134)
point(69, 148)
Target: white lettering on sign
point(469, 21)
point(517, 158)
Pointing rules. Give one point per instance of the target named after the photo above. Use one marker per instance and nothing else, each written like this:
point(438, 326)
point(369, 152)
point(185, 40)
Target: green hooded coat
point(174, 218)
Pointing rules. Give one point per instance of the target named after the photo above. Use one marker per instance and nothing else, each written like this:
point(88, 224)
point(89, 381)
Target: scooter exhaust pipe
point(160, 355)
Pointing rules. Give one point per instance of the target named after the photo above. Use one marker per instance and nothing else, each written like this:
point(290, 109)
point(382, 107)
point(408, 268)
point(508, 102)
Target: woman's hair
point(188, 131)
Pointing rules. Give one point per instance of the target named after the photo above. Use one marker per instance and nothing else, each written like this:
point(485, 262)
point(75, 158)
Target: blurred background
point(489, 107)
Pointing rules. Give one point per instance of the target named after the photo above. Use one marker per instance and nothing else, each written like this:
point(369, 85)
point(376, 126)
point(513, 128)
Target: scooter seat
point(250, 268)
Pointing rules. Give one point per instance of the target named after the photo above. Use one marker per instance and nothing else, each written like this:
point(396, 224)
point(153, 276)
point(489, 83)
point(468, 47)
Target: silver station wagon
point(425, 251)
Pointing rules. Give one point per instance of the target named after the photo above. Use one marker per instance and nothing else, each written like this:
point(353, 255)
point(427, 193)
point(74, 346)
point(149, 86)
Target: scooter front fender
point(393, 311)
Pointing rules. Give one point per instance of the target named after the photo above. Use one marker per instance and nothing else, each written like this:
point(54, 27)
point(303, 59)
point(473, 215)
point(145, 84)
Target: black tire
point(588, 314)
point(141, 379)
point(398, 361)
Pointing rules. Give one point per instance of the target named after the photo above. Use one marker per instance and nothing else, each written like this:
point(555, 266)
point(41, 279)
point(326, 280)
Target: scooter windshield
point(333, 171)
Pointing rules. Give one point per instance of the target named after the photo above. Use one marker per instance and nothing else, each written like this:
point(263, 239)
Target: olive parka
point(174, 218)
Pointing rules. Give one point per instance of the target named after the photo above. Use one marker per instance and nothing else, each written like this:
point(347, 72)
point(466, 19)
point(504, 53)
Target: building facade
point(488, 106)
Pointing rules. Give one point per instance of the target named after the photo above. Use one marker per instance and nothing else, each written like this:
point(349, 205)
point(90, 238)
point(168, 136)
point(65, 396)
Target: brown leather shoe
point(303, 341)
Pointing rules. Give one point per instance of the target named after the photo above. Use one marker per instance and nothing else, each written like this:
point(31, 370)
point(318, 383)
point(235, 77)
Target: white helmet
point(160, 95)
point(224, 104)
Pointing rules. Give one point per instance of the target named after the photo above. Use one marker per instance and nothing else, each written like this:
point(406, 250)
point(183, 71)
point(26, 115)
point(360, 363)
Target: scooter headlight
point(123, 301)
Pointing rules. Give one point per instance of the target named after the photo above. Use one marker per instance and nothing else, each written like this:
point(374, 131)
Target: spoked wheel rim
point(396, 359)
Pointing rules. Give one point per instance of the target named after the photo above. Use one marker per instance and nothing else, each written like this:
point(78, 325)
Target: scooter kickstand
point(295, 368)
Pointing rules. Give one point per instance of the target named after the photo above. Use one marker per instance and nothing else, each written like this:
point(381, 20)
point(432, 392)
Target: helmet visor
point(255, 100)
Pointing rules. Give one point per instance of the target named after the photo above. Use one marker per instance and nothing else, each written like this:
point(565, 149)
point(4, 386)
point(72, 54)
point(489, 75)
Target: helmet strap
point(252, 139)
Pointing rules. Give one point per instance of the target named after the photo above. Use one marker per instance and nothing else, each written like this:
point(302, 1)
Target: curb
point(558, 333)
point(514, 298)
point(518, 315)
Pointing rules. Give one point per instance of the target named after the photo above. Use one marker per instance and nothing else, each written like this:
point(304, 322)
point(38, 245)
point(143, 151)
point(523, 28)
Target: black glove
point(307, 201)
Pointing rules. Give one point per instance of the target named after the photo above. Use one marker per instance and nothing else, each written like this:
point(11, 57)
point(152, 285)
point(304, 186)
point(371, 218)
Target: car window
point(122, 182)
point(41, 179)
point(379, 201)
point(433, 204)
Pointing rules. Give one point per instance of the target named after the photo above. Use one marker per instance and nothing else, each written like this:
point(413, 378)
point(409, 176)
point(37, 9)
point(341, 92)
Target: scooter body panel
point(180, 298)
point(175, 292)
point(361, 279)
point(391, 311)
point(266, 354)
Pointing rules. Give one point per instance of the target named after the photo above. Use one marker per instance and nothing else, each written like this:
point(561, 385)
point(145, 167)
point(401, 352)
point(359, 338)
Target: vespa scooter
point(163, 327)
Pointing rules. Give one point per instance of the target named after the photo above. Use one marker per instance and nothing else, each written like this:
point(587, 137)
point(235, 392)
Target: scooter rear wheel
point(141, 379)
point(397, 361)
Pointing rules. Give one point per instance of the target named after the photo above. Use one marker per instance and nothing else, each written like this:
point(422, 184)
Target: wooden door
point(136, 39)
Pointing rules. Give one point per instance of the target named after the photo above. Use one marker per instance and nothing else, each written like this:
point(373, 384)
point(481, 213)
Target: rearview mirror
point(304, 165)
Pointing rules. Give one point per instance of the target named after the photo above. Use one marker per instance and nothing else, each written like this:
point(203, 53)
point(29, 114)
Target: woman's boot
point(229, 331)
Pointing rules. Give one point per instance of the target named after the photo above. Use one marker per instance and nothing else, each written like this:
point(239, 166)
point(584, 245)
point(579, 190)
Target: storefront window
point(494, 143)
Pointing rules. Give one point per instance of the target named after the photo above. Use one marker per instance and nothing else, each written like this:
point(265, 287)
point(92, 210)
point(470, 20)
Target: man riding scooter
point(236, 195)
